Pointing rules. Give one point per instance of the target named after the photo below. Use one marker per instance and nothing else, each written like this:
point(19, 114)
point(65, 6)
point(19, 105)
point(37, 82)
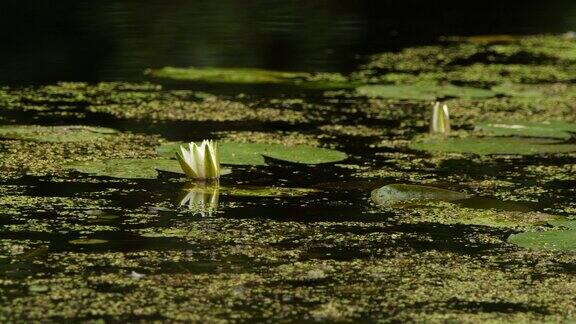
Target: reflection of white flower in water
point(200, 198)
point(200, 161)
point(440, 123)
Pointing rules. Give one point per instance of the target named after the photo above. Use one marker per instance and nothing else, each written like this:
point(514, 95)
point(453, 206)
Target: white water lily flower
point(440, 123)
point(200, 162)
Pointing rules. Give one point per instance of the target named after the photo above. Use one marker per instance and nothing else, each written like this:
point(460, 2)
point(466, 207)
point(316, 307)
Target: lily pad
point(529, 129)
point(72, 133)
point(86, 241)
point(422, 91)
point(127, 168)
point(494, 145)
point(569, 224)
point(254, 153)
point(226, 75)
point(130, 168)
point(549, 240)
point(253, 76)
point(395, 193)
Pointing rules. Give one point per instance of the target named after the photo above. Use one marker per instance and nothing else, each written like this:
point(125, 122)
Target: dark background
point(101, 40)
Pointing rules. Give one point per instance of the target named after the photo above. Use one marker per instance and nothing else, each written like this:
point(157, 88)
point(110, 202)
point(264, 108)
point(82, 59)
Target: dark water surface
point(47, 41)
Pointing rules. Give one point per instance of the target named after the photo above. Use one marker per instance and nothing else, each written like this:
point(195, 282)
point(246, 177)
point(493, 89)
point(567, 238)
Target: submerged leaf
point(395, 193)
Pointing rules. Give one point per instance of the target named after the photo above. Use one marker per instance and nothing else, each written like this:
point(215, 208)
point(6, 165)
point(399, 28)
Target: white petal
point(186, 155)
point(198, 157)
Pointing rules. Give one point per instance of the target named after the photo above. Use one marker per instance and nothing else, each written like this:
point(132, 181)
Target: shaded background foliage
point(44, 41)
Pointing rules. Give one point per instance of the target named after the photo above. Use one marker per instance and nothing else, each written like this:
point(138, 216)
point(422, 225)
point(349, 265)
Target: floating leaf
point(253, 153)
point(529, 129)
point(86, 241)
point(493, 145)
point(569, 224)
point(130, 168)
point(422, 91)
point(72, 133)
point(395, 193)
point(549, 240)
point(226, 75)
point(127, 168)
point(253, 76)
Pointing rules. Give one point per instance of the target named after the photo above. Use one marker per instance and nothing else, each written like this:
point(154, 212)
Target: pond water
point(337, 205)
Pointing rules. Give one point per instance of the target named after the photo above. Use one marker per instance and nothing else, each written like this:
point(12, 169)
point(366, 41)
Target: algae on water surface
point(299, 241)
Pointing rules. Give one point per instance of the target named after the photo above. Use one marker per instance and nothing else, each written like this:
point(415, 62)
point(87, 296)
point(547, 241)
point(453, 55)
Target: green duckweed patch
point(278, 137)
point(209, 109)
point(47, 158)
point(446, 213)
point(529, 59)
point(73, 133)
point(422, 91)
point(379, 284)
point(352, 130)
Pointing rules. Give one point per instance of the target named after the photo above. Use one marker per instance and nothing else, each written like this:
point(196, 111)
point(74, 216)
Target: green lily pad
point(72, 133)
point(131, 168)
point(127, 168)
point(422, 91)
point(226, 75)
point(395, 193)
point(529, 129)
point(549, 240)
point(493, 145)
point(569, 224)
point(254, 153)
point(86, 241)
point(253, 76)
